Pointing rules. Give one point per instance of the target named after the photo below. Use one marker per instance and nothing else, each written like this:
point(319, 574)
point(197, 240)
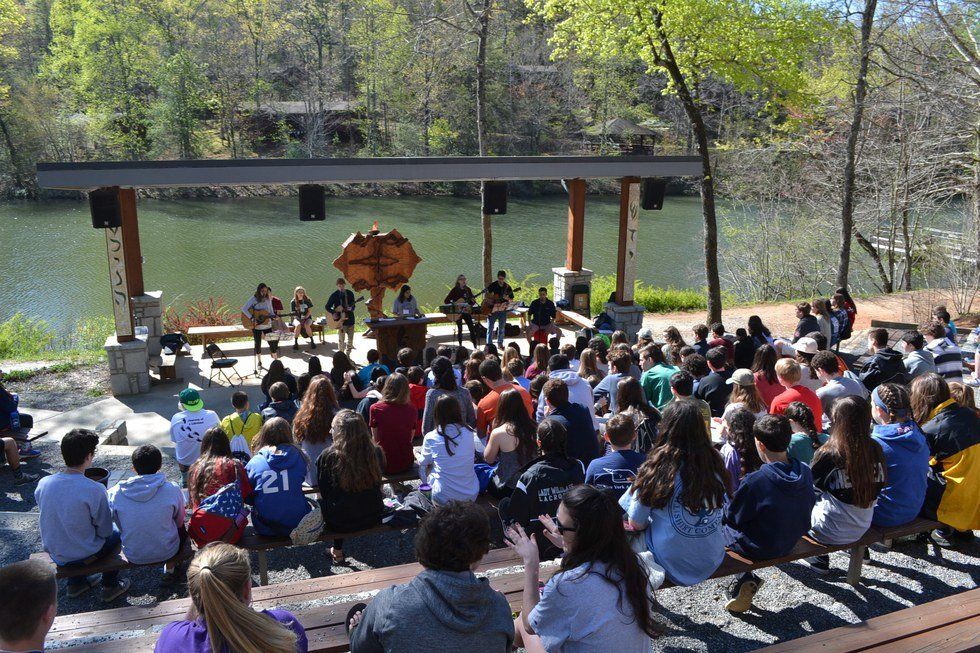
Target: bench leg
point(263, 569)
point(855, 564)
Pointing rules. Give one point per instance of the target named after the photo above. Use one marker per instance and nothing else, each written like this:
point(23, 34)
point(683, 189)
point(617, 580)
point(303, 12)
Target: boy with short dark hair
point(364, 375)
point(282, 404)
point(76, 524)
point(682, 389)
point(770, 510)
point(614, 472)
point(405, 358)
point(582, 441)
point(718, 339)
point(885, 365)
point(700, 343)
point(242, 425)
point(28, 605)
point(515, 367)
point(714, 388)
point(918, 360)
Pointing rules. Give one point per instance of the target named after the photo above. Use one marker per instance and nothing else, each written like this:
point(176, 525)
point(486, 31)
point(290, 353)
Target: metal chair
point(220, 364)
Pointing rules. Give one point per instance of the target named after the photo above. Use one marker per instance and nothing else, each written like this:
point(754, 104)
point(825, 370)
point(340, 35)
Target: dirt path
point(911, 307)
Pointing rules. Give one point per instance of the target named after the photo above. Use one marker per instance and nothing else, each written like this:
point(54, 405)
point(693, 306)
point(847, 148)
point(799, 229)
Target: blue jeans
point(109, 578)
point(500, 319)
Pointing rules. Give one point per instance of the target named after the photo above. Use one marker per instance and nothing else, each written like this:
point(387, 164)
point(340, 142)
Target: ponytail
point(216, 580)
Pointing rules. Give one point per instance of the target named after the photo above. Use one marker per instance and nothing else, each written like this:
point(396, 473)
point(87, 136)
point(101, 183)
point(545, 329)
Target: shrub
point(23, 337)
point(212, 311)
point(653, 299)
point(91, 332)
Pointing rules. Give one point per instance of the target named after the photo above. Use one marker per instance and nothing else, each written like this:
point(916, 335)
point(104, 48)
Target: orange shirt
point(486, 410)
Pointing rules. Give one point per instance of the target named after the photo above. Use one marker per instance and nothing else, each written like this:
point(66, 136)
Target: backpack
point(603, 322)
point(221, 517)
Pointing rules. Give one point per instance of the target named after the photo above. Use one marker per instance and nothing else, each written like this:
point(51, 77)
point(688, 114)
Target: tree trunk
point(886, 282)
point(850, 153)
point(20, 182)
point(483, 33)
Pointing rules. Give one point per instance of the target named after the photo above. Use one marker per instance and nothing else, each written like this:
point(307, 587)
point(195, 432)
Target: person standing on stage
point(462, 296)
point(342, 300)
point(501, 293)
point(261, 301)
point(542, 315)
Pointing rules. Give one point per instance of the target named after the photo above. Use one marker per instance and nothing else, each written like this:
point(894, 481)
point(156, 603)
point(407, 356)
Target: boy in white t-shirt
point(187, 429)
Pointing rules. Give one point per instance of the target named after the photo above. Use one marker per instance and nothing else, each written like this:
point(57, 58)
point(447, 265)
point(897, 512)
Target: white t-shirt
point(452, 476)
point(187, 429)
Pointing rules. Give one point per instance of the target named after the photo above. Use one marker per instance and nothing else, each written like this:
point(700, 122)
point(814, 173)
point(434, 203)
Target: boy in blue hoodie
point(149, 511)
point(770, 511)
point(906, 455)
point(277, 471)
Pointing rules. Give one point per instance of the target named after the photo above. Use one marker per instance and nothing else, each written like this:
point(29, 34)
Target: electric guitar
point(336, 319)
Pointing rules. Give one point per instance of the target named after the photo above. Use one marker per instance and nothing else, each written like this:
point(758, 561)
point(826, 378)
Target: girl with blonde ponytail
point(220, 620)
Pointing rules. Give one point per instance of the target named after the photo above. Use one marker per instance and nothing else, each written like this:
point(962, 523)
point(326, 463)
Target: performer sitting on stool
point(542, 315)
point(462, 296)
point(300, 306)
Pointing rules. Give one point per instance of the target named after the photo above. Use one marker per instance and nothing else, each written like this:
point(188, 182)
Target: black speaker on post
point(494, 197)
point(312, 203)
point(652, 193)
point(104, 204)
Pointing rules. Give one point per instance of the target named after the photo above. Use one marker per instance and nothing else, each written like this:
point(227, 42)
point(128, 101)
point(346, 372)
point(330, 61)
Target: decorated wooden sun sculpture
point(376, 261)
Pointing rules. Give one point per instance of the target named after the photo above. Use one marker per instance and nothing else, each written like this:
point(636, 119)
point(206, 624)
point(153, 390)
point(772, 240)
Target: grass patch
point(30, 339)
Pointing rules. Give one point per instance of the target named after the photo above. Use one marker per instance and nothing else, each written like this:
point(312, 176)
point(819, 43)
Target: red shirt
point(416, 397)
point(798, 393)
point(769, 391)
point(727, 344)
point(486, 410)
point(395, 424)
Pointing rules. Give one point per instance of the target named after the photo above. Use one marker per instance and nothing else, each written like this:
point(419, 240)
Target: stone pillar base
point(148, 312)
point(626, 318)
point(129, 366)
point(565, 281)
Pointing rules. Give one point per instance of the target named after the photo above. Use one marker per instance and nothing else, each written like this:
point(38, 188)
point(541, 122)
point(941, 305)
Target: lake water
point(53, 263)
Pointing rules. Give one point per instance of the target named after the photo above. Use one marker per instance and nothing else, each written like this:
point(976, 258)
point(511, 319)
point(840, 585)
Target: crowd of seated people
point(794, 443)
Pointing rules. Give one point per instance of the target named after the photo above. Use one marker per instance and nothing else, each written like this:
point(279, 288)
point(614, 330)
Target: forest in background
point(846, 122)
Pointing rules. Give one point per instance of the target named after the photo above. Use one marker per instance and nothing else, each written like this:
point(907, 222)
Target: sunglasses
point(563, 529)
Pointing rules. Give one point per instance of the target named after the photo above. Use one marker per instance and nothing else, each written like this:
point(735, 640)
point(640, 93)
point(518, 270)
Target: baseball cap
point(806, 346)
point(742, 376)
point(190, 399)
point(646, 333)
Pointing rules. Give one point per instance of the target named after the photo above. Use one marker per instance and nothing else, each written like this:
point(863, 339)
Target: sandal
point(357, 607)
point(338, 556)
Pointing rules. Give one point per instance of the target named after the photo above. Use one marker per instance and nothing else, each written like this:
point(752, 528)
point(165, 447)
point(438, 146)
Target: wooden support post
point(131, 241)
point(855, 564)
point(263, 568)
point(576, 224)
point(629, 222)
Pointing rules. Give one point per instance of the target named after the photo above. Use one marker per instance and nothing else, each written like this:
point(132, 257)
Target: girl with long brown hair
point(511, 443)
point(393, 420)
point(739, 452)
point(848, 473)
point(447, 455)
point(349, 477)
point(683, 476)
point(806, 438)
point(539, 362)
point(632, 402)
point(214, 469)
point(588, 367)
point(219, 581)
point(764, 369)
point(311, 426)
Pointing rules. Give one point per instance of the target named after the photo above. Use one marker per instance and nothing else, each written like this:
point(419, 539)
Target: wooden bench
point(410, 474)
point(209, 334)
point(167, 367)
point(22, 434)
point(949, 624)
point(114, 562)
point(575, 319)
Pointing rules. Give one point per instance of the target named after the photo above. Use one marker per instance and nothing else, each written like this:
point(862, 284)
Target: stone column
point(565, 280)
point(148, 312)
point(627, 318)
point(129, 365)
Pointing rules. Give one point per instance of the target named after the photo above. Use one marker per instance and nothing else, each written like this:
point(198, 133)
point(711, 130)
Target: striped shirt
point(949, 359)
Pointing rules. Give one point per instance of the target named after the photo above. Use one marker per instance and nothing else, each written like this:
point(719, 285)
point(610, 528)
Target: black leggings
point(465, 317)
point(257, 339)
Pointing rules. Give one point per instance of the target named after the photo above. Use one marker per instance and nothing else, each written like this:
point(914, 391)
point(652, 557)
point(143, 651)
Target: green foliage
point(182, 99)
point(655, 300)
point(11, 18)
point(91, 332)
point(23, 337)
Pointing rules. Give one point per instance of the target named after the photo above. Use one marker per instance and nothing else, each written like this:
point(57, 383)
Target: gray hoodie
point(579, 392)
point(436, 611)
point(919, 362)
point(148, 510)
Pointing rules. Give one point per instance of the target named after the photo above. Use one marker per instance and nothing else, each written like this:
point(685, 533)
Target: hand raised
point(524, 546)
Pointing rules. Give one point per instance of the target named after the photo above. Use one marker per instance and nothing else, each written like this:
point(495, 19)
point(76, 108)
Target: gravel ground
point(63, 391)
point(794, 601)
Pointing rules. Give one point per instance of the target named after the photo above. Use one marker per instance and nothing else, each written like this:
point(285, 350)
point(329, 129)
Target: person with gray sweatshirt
point(76, 525)
point(446, 607)
point(918, 359)
point(149, 511)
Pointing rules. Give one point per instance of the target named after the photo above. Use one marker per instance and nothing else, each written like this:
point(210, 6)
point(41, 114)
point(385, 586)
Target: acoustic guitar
point(495, 303)
point(336, 319)
point(260, 317)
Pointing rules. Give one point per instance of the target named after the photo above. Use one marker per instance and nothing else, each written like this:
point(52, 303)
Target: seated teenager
point(446, 462)
point(614, 472)
point(604, 394)
point(417, 391)
point(149, 511)
point(28, 605)
point(947, 356)
point(738, 450)
point(371, 394)
point(187, 428)
point(582, 441)
point(835, 385)
point(906, 456)
point(515, 369)
point(918, 360)
point(446, 381)
point(216, 468)
point(745, 347)
point(542, 484)
point(311, 426)
point(392, 421)
point(700, 343)
point(539, 361)
point(682, 389)
point(598, 568)
point(405, 357)
point(276, 472)
point(445, 607)
point(541, 316)
point(282, 404)
point(343, 377)
point(953, 434)
point(848, 473)
point(632, 402)
point(75, 520)
point(806, 348)
point(242, 425)
point(744, 394)
point(588, 368)
point(684, 475)
point(714, 388)
point(364, 375)
point(349, 480)
point(511, 444)
point(886, 364)
point(764, 370)
point(718, 339)
point(278, 373)
point(8, 406)
point(493, 380)
point(788, 372)
point(579, 390)
point(219, 581)
point(807, 438)
point(656, 376)
point(807, 323)
point(770, 511)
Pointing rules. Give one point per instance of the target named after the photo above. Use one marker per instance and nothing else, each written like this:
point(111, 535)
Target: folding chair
point(220, 363)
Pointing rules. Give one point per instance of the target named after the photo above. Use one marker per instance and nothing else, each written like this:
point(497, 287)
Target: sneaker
point(941, 538)
point(77, 587)
point(312, 345)
point(295, 346)
point(112, 593)
point(742, 593)
point(28, 453)
point(819, 564)
point(25, 479)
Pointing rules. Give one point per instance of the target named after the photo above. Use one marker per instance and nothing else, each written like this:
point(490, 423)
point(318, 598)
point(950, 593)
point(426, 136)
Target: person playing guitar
point(461, 296)
point(341, 304)
point(301, 307)
point(499, 295)
point(258, 312)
